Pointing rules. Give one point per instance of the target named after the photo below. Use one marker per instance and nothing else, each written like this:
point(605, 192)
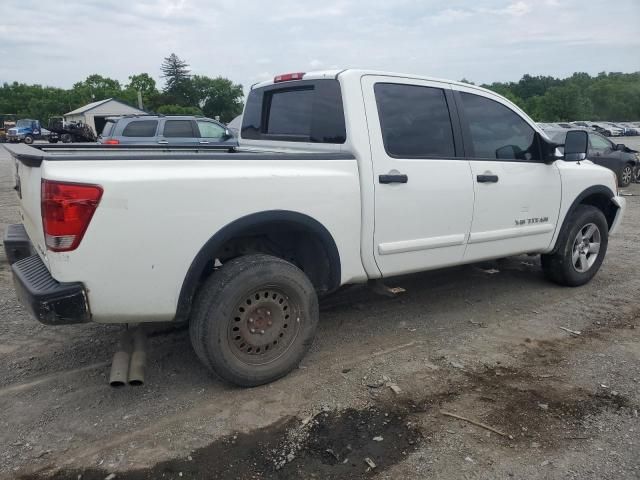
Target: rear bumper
point(49, 301)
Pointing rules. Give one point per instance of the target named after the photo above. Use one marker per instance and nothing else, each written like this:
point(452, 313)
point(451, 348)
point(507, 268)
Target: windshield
point(23, 123)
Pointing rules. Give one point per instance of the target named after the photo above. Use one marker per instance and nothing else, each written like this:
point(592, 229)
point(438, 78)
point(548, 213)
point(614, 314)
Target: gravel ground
point(486, 347)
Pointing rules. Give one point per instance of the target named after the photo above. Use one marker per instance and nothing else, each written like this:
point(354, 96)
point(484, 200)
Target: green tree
point(178, 110)
point(218, 97)
point(146, 85)
point(94, 88)
point(178, 86)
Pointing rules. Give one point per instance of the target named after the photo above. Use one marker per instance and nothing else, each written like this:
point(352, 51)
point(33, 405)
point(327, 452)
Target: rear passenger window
point(138, 128)
point(415, 121)
point(497, 132)
point(178, 128)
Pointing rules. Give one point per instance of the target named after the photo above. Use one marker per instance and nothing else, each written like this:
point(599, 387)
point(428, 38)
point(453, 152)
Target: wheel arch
point(296, 225)
point(598, 196)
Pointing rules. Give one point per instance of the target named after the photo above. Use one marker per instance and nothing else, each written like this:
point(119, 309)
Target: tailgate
point(28, 189)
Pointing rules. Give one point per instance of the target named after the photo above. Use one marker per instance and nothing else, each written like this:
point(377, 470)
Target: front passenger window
point(497, 132)
point(210, 130)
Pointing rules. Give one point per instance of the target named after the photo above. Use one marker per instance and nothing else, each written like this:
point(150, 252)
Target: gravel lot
point(483, 346)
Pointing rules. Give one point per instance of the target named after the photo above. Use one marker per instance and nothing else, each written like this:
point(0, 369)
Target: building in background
point(95, 114)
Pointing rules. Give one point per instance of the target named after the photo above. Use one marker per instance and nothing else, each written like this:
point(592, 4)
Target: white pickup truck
point(341, 177)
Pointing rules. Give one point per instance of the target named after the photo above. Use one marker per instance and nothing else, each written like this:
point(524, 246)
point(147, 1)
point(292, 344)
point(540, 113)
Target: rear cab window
point(139, 128)
point(298, 111)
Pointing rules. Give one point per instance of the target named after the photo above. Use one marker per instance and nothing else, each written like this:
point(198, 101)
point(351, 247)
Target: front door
point(517, 195)
point(422, 183)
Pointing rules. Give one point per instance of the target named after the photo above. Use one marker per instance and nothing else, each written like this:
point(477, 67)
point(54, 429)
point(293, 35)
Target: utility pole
point(140, 106)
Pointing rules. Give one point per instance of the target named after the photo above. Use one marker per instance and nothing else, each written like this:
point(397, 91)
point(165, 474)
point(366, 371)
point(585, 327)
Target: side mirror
point(576, 145)
point(621, 146)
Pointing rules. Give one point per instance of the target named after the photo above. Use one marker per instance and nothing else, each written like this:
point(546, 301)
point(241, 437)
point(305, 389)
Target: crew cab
point(341, 177)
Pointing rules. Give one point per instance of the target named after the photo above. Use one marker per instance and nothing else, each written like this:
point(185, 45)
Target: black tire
point(560, 267)
point(53, 140)
point(636, 174)
point(28, 139)
point(254, 319)
point(66, 138)
point(625, 177)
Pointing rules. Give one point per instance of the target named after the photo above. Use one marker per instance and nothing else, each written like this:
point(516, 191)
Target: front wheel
point(580, 250)
point(28, 139)
point(254, 319)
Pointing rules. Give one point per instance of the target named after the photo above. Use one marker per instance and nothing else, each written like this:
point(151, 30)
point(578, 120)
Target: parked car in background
point(165, 130)
point(583, 124)
point(608, 130)
point(630, 129)
point(622, 160)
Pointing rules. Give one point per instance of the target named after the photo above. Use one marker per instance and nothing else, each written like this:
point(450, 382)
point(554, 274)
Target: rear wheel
point(581, 248)
point(254, 319)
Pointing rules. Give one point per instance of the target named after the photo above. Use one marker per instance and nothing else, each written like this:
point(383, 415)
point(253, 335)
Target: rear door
point(422, 182)
point(517, 195)
point(179, 132)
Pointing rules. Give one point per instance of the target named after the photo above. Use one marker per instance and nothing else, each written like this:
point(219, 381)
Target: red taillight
point(66, 210)
point(111, 141)
point(286, 77)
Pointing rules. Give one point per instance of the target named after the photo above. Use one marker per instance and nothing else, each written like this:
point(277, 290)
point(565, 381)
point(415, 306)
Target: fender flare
point(243, 224)
point(593, 190)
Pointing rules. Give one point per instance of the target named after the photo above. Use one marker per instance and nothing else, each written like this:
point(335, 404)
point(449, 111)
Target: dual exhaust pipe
point(130, 359)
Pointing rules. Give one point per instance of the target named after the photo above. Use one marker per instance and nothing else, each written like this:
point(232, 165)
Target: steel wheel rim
point(264, 326)
point(586, 248)
point(626, 175)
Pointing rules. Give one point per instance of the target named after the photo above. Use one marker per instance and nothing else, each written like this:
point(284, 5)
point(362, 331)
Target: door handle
point(163, 142)
point(487, 178)
point(204, 142)
point(393, 178)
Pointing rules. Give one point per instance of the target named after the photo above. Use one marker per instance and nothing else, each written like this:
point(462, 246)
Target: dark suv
point(165, 130)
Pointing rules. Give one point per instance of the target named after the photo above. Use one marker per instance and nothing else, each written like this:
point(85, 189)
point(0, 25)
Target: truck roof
point(327, 74)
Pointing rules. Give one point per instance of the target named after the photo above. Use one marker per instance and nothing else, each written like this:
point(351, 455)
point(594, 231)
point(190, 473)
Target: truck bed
point(34, 155)
point(161, 205)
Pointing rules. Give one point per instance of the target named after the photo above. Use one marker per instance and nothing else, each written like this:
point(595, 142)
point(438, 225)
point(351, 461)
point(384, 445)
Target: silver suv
point(165, 130)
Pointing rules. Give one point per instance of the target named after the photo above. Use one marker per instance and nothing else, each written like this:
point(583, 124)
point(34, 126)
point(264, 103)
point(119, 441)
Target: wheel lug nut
point(268, 313)
point(261, 332)
point(251, 320)
point(269, 323)
point(253, 330)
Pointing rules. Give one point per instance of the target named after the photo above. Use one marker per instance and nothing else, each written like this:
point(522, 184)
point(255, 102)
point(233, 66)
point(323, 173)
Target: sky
point(60, 43)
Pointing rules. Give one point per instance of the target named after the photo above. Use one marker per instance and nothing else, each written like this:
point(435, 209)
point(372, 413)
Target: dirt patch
point(327, 446)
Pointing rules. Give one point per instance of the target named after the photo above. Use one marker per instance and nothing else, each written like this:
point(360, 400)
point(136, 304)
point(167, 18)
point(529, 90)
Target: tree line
point(183, 94)
point(606, 96)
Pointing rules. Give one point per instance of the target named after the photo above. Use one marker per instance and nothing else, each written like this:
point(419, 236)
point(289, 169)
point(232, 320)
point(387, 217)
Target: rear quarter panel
point(155, 215)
